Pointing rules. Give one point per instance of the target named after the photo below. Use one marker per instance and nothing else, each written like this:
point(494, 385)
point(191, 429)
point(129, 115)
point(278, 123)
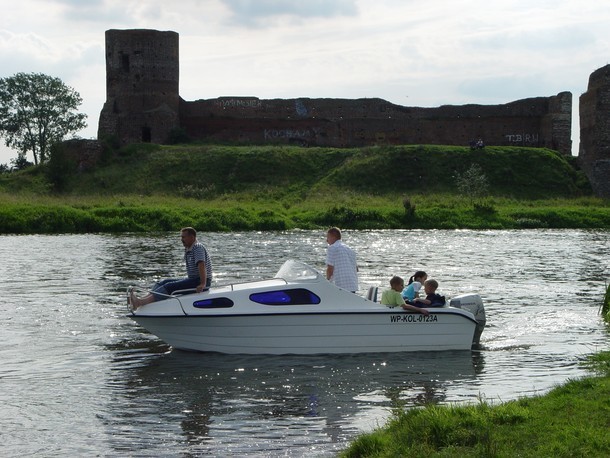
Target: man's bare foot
point(134, 301)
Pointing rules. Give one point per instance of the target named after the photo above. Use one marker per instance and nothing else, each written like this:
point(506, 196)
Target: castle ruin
point(142, 76)
point(594, 148)
point(143, 105)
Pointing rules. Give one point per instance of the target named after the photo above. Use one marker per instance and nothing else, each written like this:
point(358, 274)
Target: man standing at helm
point(341, 268)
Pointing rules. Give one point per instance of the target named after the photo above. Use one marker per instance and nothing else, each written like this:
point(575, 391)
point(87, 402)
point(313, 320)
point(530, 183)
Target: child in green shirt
point(392, 297)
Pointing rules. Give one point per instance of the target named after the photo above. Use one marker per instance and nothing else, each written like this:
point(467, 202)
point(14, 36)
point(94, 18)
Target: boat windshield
point(293, 270)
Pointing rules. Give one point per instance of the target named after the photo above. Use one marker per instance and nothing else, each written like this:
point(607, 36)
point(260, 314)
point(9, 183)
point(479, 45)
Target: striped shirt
point(192, 256)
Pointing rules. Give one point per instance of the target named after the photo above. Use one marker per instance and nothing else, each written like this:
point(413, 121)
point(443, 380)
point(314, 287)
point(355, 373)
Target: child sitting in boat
point(414, 285)
point(392, 297)
point(432, 299)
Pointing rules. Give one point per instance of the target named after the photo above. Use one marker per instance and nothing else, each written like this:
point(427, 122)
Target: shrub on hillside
point(473, 183)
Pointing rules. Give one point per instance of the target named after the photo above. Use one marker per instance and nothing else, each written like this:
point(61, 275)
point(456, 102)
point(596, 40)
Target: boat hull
point(302, 333)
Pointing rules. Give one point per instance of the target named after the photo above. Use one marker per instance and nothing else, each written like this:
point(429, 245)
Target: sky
point(421, 53)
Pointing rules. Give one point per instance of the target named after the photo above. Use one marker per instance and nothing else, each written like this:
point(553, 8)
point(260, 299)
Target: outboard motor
point(474, 304)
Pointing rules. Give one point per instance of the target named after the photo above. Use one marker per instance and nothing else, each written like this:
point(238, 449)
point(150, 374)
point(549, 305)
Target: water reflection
point(200, 399)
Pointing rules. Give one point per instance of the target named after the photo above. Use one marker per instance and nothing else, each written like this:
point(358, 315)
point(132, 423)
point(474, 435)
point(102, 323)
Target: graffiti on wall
point(238, 103)
point(523, 138)
point(300, 108)
point(275, 134)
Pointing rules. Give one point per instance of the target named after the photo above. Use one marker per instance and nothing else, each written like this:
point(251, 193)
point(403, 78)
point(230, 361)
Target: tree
point(36, 111)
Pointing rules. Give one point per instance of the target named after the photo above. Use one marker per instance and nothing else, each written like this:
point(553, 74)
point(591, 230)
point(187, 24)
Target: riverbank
point(228, 188)
point(239, 212)
point(571, 420)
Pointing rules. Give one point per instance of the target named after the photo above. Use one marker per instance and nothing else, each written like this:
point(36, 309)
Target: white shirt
point(343, 260)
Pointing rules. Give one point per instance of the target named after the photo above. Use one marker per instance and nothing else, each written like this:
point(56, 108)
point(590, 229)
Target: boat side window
point(297, 296)
point(214, 303)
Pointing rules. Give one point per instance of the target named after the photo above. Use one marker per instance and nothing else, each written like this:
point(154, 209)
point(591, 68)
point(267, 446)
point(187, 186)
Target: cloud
point(546, 38)
point(513, 87)
point(30, 45)
point(119, 14)
point(259, 12)
point(30, 52)
point(81, 3)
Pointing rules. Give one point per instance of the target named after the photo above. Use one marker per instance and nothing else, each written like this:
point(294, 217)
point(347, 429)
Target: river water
point(79, 378)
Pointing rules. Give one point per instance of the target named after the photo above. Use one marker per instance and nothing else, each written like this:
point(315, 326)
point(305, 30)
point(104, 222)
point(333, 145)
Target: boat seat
point(371, 294)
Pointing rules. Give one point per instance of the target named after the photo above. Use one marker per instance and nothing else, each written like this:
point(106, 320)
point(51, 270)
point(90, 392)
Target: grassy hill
point(214, 187)
point(530, 173)
point(216, 170)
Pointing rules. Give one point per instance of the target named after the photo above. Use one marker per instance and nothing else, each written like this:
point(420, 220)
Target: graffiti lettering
point(238, 103)
point(286, 133)
point(522, 138)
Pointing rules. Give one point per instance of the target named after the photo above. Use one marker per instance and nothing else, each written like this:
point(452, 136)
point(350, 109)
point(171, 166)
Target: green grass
point(572, 420)
point(243, 211)
point(209, 171)
point(224, 188)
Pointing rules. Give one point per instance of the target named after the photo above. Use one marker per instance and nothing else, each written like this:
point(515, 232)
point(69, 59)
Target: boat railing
point(142, 290)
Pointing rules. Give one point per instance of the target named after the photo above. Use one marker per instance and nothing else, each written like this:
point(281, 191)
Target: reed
point(605, 310)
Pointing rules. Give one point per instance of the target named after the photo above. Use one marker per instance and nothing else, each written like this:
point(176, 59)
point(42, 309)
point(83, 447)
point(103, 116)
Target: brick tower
point(594, 153)
point(142, 77)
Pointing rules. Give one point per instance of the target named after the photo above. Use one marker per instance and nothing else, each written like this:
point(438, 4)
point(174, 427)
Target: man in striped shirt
point(341, 267)
point(198, 270)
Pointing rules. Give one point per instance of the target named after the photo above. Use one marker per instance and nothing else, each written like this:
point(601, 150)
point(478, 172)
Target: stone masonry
point(142, 73)
point(594, 149)
point(538, 122)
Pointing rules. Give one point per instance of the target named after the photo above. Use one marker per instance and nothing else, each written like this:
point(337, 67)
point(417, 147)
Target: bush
point(21, 162)
point(473, 183)
point(409, 208)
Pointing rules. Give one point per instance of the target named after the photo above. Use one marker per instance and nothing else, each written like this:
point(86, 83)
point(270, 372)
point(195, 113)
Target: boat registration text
point(413, 318)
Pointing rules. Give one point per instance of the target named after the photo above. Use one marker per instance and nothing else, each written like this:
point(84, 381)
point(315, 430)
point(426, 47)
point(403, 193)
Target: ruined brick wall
point(539, 122)
point(594, 152)
point(142, 76)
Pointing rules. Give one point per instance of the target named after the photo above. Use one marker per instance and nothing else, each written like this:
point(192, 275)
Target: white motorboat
point(300, 312)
